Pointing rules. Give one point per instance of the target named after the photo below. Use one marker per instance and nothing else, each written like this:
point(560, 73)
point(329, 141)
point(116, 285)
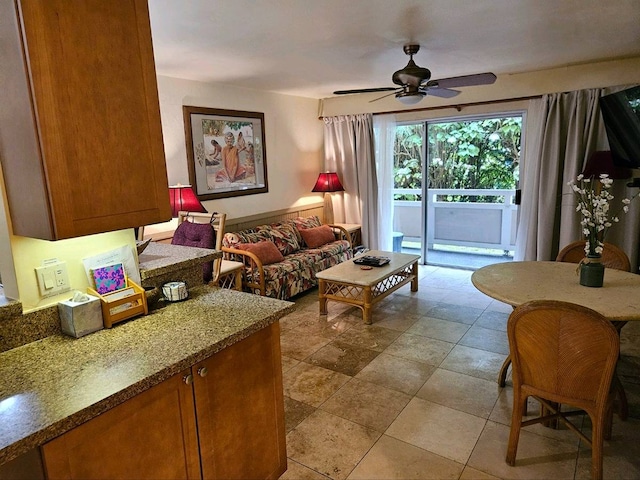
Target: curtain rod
point(458, 107)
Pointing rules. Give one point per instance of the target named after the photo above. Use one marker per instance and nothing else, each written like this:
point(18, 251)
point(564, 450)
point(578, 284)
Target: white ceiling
point(312, 47)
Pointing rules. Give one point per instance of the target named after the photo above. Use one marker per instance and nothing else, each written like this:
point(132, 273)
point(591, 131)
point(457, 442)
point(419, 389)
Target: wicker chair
point(612, 256)
point(206, 230)
point(563, 354)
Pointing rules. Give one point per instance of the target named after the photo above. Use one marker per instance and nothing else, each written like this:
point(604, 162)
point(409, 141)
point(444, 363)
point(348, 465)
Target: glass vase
point(592, 271)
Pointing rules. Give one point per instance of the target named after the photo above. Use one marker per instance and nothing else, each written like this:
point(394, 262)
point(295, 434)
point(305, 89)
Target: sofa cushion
point(284, 235)
point(265, 250)
point(317, 236)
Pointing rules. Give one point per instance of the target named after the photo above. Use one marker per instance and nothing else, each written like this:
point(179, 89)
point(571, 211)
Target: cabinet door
point(240, 410)
point(84, 151)
point(152, 435)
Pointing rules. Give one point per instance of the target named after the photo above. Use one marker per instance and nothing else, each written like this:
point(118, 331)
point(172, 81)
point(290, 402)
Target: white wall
point(293, 133)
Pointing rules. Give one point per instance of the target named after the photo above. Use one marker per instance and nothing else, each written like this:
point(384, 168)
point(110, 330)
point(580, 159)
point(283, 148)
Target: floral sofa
point(281, 259)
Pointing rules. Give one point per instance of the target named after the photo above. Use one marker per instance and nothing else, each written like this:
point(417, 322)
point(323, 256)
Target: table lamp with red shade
point(182, 198)
point(328, 182)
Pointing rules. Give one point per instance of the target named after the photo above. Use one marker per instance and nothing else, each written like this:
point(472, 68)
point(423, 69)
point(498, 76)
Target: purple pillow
point(201, 235)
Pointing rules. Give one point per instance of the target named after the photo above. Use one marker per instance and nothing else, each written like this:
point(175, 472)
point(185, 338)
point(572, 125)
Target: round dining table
point(516, 283)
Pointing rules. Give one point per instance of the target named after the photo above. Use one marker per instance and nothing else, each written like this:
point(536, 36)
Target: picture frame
point(226, 152)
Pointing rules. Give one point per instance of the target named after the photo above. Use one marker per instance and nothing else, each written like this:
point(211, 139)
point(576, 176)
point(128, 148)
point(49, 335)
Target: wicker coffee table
point(348, 283)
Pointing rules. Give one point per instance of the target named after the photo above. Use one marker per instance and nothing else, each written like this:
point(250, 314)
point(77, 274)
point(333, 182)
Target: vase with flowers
point(594, 197)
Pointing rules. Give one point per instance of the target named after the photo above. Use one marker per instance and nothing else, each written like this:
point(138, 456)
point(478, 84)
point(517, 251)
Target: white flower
point(594, 205)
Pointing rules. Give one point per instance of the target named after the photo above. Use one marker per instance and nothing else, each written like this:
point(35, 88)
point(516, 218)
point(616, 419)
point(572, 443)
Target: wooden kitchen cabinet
point(80, 133)
point(221, 419)
point(241, 410)
point(152, 435)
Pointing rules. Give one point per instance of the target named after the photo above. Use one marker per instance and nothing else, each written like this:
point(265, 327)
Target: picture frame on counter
point(226, 153)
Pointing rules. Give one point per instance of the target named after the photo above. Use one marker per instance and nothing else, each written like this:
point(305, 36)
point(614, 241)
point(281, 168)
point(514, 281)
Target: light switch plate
point(53, 279)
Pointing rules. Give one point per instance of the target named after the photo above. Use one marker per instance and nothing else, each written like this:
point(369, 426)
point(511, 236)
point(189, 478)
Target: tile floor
point(414, 395)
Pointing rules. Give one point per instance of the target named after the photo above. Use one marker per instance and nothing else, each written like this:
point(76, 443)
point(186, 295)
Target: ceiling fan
point(415, 84)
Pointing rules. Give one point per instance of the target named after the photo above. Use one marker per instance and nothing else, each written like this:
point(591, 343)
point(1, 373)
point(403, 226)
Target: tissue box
point(80, 318)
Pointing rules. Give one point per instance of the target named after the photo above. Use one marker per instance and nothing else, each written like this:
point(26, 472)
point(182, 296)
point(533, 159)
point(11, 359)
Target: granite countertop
point(49, 386)
point(160, 258)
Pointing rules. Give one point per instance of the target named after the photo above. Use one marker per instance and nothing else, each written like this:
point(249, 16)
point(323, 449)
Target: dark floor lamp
point(328, 182)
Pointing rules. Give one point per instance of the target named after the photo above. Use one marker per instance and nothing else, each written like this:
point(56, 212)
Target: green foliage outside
point(479, 154)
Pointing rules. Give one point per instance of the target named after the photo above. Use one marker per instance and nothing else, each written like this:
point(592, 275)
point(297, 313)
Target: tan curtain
point(349, 151)
point(563, 130)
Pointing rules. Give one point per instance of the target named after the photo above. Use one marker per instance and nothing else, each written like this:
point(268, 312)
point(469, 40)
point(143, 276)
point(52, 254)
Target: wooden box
point(123, 304)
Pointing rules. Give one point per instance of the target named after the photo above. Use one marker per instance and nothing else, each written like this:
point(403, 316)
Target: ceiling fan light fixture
point(410, 98)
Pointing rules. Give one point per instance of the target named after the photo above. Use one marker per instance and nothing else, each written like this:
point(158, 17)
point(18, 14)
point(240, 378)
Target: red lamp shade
point(328, 182)
point(602, 162)
point(183, 198)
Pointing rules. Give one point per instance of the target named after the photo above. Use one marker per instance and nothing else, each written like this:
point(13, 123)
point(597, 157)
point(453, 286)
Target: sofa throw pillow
point(265, 250)
point(305, 222)
point(317, 236)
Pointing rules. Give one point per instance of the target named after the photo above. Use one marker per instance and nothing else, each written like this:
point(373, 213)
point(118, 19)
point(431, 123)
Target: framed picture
point(225, 152)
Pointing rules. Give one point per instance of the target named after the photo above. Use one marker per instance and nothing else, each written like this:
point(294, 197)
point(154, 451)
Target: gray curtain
point(349, 151)
point(563, 130)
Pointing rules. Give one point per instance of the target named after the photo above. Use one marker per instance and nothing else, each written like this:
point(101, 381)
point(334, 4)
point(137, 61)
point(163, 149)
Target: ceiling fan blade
point(395, 90)
point(463, 81)
point(364, 90)
point(442, 92)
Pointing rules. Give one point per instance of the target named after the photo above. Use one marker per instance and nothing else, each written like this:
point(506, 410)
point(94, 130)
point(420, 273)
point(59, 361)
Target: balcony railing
point(476, 224)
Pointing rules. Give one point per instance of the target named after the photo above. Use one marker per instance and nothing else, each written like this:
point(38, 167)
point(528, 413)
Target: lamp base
point(328, 208)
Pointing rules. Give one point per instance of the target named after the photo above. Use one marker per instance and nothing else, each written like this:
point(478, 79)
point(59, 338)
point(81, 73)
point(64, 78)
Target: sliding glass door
point(455, 184)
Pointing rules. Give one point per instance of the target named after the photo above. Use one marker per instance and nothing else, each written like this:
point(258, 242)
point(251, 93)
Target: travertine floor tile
point(393, 459)
point(396, 373)
point(311, 384)
point(474, 362)
point(486, 339)
point(420, 349)
point(297, 471)
point(295, 412)
point(371, 337)
point(455, 313)
point(538, 457)
point(342, 357)
point(472, 474)
point(399, 321)
point(620, 453)
point(462, 392)
point(288, 363)
point(336, 422)
point(366, 403)
point(440, 430)
point(443, 330)
point(298, 346)
point(329, 444)
point(322, 326)
point(493, 320)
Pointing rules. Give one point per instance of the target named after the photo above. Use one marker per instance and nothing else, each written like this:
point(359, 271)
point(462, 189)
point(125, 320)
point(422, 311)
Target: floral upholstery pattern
point(284, 235)
point(296, 273)
point(232, 239)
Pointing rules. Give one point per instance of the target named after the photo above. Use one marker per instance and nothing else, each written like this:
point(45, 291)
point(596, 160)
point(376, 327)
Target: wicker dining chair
point(566, 354)
point(206, 230)
point(612, 256)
